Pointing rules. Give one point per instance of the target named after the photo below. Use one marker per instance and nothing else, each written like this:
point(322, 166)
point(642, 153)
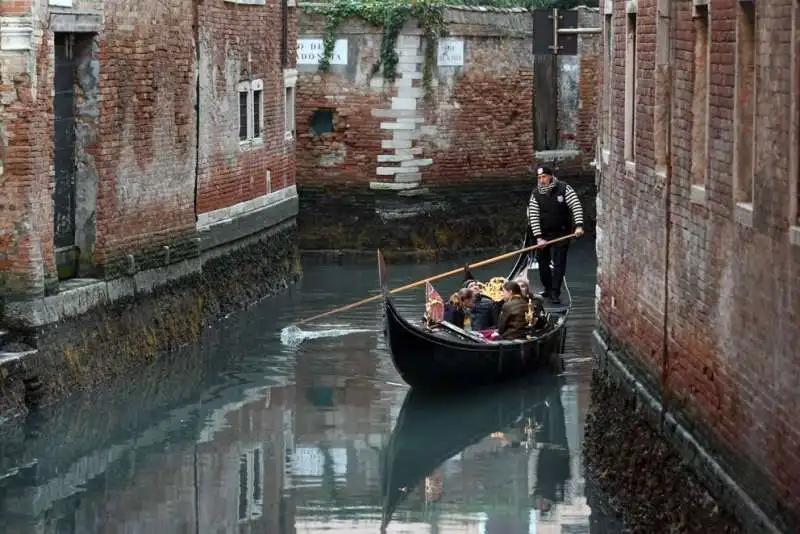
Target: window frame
point(249, 87)
point(289, 86)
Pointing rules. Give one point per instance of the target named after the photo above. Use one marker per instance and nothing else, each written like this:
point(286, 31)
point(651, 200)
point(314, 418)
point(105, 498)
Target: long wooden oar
point(438, 277)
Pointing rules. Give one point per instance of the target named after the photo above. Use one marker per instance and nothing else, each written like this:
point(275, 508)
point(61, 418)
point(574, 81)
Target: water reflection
point(242, 434)
point(496, 451)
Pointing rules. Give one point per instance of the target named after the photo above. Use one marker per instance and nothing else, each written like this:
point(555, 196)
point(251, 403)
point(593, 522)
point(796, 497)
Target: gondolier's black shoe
point(546, 294)
point(555, 299)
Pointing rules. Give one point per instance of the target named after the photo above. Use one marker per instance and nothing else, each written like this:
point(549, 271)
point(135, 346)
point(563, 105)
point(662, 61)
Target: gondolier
point(554, 210)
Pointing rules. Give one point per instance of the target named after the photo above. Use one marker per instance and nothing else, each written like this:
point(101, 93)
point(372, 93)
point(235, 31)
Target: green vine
point(391, 15)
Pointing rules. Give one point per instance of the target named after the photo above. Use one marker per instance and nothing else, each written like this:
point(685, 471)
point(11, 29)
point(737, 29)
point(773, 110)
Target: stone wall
point(393, 165)
point(698, 238)
point(346, 221)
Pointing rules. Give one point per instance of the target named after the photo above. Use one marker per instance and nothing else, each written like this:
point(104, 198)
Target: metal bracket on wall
point(556, 32)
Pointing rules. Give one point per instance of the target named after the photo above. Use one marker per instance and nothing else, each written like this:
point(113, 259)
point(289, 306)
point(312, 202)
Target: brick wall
point(698, 291)
point(477, 123)
point(26, 243)
point(348, 154)
point(134, 129)
point(144, 145)
point(241, 43)
point(138, 185)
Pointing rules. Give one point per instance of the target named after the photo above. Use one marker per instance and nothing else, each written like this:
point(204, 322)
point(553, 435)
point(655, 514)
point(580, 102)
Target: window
point(321, 121)
point(607, 86)
point(700, 96)
point(663, 86)
point(289, 98)
point(289, 107)
point(630, 88)
point(744, 118)
point(251, 484)
point(251, 111)
point(258, 107)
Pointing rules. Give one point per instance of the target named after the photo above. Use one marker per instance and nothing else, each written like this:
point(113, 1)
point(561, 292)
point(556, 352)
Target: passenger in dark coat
point(485, 311)
point(458, 310)
point(512, 323)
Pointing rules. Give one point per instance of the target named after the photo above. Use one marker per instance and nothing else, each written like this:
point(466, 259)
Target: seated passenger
point(458, 310)
point(484, 310)
point(512, 323)
point(524, 287)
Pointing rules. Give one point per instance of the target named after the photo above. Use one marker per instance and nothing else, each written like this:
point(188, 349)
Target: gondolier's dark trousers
point(552, 280)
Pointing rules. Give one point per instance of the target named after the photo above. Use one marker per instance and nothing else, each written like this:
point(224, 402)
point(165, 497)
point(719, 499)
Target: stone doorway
point(75, 112)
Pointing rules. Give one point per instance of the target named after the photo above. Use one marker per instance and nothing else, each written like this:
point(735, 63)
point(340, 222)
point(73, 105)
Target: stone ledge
point(16, 33)
point(248, 223)
point(77, 22)
point(78, 296)
point(557, 155)
point(697, 457)
point(392, 186)
point(92, 293)
point(225, 215)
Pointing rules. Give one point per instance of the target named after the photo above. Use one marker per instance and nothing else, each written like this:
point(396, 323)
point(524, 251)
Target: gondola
point(431, 428)
point(453, 359)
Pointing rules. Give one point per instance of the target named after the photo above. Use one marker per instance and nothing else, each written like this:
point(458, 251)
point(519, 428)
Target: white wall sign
point(309, 52)
point(450, 53)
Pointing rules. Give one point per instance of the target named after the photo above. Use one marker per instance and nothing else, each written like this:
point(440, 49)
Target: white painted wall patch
point(309, 52)
point(450, 53)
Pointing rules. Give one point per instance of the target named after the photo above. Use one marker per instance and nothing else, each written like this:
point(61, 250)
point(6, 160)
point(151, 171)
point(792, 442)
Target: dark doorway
point(545, 102)
point(64, 155)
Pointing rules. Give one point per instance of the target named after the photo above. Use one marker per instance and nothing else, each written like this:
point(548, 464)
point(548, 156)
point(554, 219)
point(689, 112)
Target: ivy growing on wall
point(391, 15)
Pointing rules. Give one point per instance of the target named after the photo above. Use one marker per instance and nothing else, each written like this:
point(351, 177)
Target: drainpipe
point(196, 30)
point(667, 229)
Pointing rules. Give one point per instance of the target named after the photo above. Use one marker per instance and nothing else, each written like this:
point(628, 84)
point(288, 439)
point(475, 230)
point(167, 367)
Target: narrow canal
point(246, 433)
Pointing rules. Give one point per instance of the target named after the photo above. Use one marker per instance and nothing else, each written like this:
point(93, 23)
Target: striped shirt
point(573, 203)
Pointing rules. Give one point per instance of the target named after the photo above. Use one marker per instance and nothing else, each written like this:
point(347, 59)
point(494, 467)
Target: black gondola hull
point(429, 361)
point(424, 361)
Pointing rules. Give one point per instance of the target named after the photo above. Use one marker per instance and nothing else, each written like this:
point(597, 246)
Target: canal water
point(247, 433)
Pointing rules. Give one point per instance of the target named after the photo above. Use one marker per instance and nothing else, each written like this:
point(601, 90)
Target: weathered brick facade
point(243, 44)
point(138, 186)
point(476, 124)
point(125, 179)
point(698, 244)
point(407, 168)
